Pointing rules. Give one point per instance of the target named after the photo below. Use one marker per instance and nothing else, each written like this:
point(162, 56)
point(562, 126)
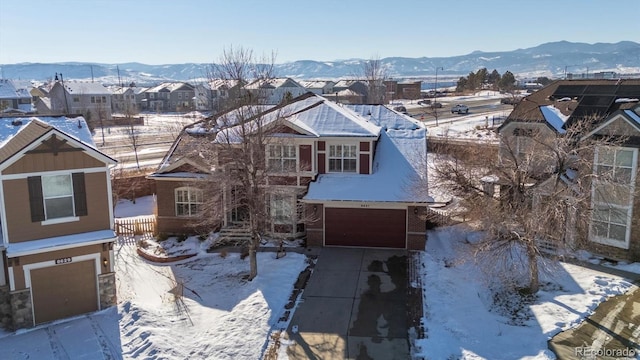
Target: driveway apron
point(354, 307)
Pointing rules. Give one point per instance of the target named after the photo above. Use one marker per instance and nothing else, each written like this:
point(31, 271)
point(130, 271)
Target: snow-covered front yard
point(223, 316)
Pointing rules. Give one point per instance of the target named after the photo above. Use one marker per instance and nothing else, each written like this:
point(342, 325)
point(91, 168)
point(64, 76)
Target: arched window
point(188, 201)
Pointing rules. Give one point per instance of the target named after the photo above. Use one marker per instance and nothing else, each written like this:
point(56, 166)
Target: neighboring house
point(614, 109)
point(274, 91)
point(56, 213)
point(360, 92)
point(341, 175)
point(13, 97)
point(222, 93)
point(409, 90)
point(92, 100)
point(123, 100)
point(319, 87)
point(170, 96)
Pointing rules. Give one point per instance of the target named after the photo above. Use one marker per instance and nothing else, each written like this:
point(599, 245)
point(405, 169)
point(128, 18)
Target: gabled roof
point(569, 100)
point(272, 84)
point(315, 84)
point(18, 133)
point(85, 88)
point(8, 90)
point(307, 115)
point(400, 152)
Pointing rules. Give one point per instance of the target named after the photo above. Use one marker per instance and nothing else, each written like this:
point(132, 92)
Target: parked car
point(436, 105)
point(460, 109)
point(401, 109)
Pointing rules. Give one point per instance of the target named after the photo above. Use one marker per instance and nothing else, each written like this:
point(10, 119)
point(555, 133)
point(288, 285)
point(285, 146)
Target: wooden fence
point(138, 225)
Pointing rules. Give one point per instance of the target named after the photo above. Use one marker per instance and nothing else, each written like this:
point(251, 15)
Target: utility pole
point(435, 94)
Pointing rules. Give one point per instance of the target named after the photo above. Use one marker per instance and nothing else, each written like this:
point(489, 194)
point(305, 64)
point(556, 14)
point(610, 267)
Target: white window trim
point(328, 158)
point(634, 170)
point(282, 158)
point(188, 189)
point(58, 220)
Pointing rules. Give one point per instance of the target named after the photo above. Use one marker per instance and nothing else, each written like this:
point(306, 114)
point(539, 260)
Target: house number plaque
point(63, 260)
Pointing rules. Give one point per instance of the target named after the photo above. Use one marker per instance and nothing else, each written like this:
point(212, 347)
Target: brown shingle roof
point(29, 133)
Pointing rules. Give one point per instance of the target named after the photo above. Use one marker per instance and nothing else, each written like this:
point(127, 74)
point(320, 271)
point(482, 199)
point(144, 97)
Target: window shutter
point(35, 198)
point(79, 194)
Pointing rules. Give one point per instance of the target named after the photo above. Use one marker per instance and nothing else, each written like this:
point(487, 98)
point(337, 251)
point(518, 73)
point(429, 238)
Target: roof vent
point(79, 124)
point(16, 123)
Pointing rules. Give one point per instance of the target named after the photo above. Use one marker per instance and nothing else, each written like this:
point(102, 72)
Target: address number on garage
point(63, 260)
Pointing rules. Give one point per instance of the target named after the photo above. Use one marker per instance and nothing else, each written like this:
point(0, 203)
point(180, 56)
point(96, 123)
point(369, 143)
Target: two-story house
point(90, 99)
point(319, 87)
point(613, 111)
point(341, 175)
point(170, 96)
point(14, 98)
point(56, 216)
point(124, 100)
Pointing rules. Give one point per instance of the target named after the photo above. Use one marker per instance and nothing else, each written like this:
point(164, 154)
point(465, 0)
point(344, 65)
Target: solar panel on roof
point(597, 100)
point(600, 89)
point(568, 91)
point(630, 91)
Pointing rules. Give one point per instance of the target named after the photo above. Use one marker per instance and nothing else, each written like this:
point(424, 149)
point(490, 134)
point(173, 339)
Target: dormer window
point(342, 158)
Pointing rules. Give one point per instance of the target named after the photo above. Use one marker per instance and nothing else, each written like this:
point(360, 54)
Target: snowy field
point(222, 316)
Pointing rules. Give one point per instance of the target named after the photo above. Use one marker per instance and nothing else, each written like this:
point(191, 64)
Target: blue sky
point(167, 32)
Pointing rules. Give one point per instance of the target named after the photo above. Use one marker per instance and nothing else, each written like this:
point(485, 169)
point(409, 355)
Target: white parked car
point(460, 109)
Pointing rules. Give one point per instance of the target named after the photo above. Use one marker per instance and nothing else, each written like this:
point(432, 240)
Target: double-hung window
point(188, 201)
point(613, 186)
point(282, 158)
point(60, 197)
point(342, 158)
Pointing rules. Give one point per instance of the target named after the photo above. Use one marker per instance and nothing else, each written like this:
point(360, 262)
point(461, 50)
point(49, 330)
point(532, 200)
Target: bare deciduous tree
point(234, 147)
point(375, 74)
point(531, 194)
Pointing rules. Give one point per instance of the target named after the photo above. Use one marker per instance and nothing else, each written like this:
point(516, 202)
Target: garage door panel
point(64, 290)
point(365, 227)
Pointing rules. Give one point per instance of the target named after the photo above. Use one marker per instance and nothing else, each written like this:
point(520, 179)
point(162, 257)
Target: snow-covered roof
point(315, 116)
point(554, 117)
point(8, 90)
point(272, 84)
point(399, 154)
point(315, 84)
point(59, 242)
point(75, 128)
point(85, 88)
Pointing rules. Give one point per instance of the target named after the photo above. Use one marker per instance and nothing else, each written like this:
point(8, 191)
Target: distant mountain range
point(549, 59)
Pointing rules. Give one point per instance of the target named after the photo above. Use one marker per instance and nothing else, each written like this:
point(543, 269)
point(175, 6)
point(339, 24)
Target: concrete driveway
point(353, 307)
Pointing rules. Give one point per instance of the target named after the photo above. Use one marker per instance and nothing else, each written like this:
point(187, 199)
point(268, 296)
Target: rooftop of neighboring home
point(170, 86)
point(18, 132)
point(272, 83)
point(85, 88)
point(563, 101)
point(315, 84)
point(9, 90)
